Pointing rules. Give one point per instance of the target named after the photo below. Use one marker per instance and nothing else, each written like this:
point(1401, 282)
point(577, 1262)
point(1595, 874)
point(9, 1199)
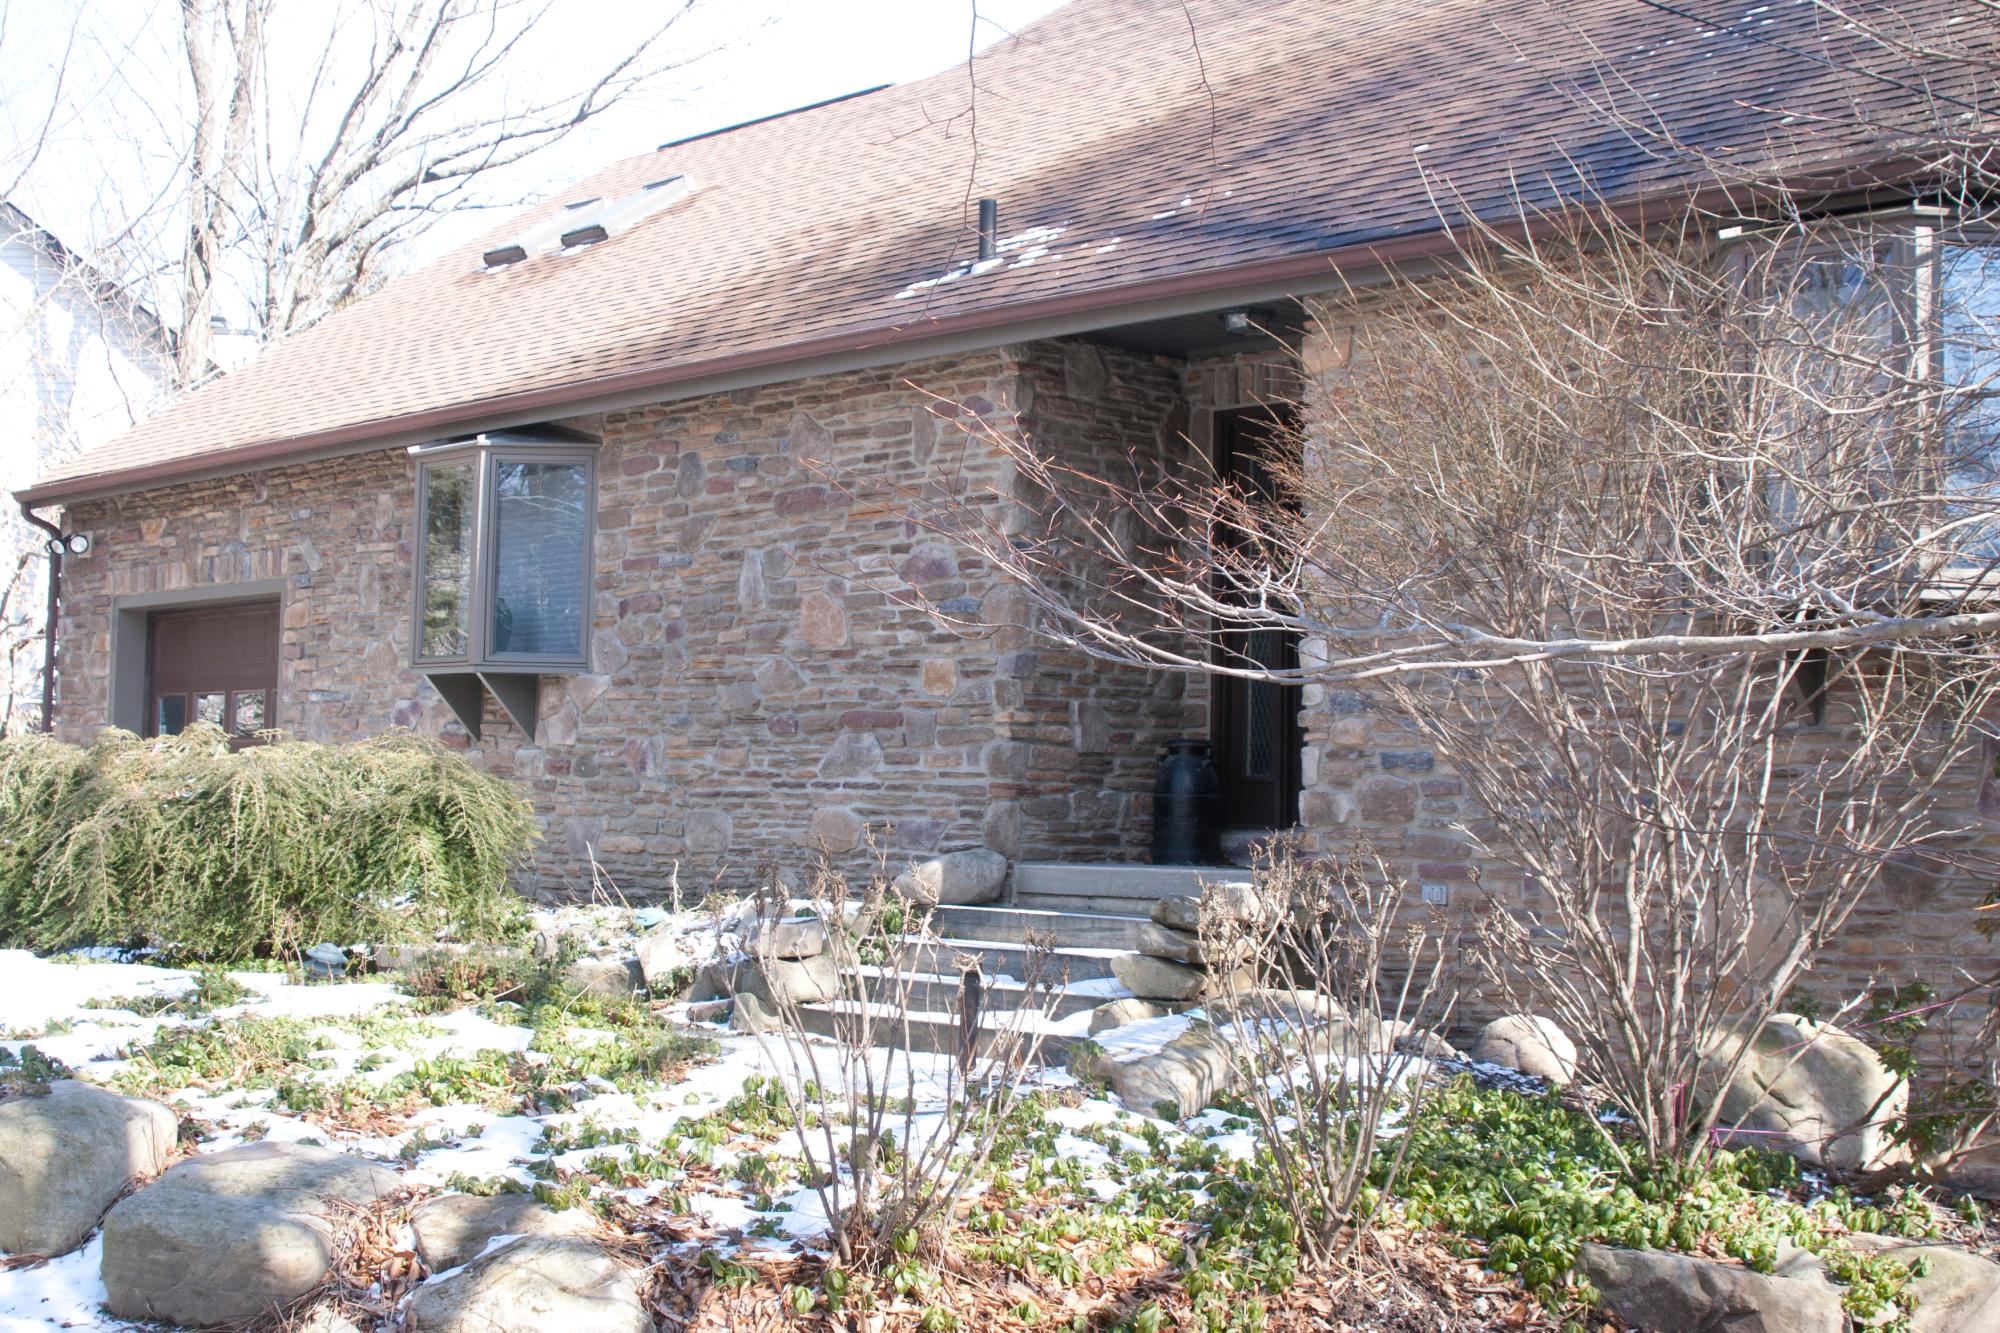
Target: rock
point(1528, 1043)
point(1176, 1079)
point(1118, 1013)
point(1977, 1173)
point(232, 1235)
point(1157, 941)
point(660, 956)
point(791, 938)
point(955, 879)
point(1812, 1090)
point(803, 980)
point(67, 1156)
point(451, 1229)
point(1961, 1291)
point(403, 957)
point(747, 1013)
point(615, 978)
point(1410, 1039)
point(1157, 979)
point(1678, 1293)
point(1239, 900)
point(530, 1286)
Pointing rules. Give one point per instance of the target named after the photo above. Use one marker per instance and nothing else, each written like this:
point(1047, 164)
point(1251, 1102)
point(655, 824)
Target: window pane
point(248, 712)
point(209, 708)
point(538, 552)
point(170, 715)
point(447, 559)
point(1969, 297)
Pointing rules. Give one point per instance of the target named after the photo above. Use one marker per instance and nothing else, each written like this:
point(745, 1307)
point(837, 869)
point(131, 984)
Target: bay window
point(503, 567)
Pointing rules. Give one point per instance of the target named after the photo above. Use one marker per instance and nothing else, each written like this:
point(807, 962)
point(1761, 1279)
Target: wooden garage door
point(217, 665)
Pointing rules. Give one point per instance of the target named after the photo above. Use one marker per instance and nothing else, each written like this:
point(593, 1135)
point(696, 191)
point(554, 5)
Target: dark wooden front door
point(213, 664)
point(1255, 724)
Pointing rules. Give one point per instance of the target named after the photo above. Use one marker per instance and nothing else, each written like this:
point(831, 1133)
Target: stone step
point(940, 993)
point(935, 1031)
point(1075, 886)
point(1012, 925)
point(1002, 959)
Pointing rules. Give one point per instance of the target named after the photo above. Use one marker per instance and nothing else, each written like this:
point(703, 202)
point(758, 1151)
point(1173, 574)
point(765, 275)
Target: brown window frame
point(486, 453)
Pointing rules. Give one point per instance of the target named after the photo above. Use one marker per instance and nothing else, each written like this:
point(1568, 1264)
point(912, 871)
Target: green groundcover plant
point(214, 853)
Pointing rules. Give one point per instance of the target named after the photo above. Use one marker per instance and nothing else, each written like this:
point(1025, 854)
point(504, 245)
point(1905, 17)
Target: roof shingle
point(1142, 140)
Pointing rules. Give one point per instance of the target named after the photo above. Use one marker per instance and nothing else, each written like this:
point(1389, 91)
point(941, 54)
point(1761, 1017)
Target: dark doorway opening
point(1254, 725)
point(213, 664)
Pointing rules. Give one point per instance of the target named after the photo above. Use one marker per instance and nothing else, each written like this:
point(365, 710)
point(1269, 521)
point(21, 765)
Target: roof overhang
point(871, 346)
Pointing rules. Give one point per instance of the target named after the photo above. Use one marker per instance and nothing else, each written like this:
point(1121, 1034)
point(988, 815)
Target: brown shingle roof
point(1158, 144)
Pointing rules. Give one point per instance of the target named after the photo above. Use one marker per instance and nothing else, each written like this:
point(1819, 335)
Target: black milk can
point(1187, 807)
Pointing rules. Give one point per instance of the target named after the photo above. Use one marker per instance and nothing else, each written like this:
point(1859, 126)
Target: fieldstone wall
point(1368, 773)
point(1082, 737)
point(768, 679)
point(765, 681)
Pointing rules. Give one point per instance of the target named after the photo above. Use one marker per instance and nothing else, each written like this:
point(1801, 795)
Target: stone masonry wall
point(1083, 736)
point(763, 683)
point(1368, 773)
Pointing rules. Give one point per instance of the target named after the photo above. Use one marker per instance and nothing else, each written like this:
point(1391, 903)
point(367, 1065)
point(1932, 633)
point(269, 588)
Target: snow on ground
point(65, 1292)
point(35, 992)
point(365, 1035)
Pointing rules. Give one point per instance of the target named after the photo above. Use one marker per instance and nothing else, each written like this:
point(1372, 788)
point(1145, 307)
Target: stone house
point(622, 500)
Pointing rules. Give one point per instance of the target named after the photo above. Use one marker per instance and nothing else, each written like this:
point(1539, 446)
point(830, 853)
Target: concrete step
point(935, 1031)
point(1003, 959)
point(1013, 925)
point(940, 994)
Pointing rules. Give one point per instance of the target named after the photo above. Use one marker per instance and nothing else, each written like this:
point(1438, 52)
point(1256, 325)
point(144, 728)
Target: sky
point(122, 77)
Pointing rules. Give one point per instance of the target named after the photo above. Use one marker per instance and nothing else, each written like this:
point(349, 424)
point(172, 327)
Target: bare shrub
point(1329, 1043)
point(896, 1117)
point(1677, 552)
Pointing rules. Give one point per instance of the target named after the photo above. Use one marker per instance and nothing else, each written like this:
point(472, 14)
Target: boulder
point(792, 938)
point(1176, 1077)
point(66, 1156)
point(1118, 1013)
point(532, 1285)
point(955, 879)
point(1157, 979)
point(1180, 946)
point(1812, 1090)
point(1960, 1292)
point(747, 1013)
point(615, 978)
point(803, 980)
point(1410, 1039)
point(1977, 1173)
point(452, 1229)
point(660, 955)
point(229, 1236)
point(1528, 1043)
point(1679, 1293)
point(1240, 900)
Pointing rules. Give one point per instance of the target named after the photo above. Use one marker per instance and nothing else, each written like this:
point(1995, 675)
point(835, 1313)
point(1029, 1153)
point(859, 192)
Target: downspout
point(55, 550)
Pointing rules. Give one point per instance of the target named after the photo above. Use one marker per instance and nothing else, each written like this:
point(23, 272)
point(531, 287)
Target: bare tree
point(304, 175)
point(1680, 549)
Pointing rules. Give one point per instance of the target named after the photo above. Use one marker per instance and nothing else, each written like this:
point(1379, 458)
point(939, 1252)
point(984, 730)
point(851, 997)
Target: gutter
point(55, 553)
point(996, 324)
